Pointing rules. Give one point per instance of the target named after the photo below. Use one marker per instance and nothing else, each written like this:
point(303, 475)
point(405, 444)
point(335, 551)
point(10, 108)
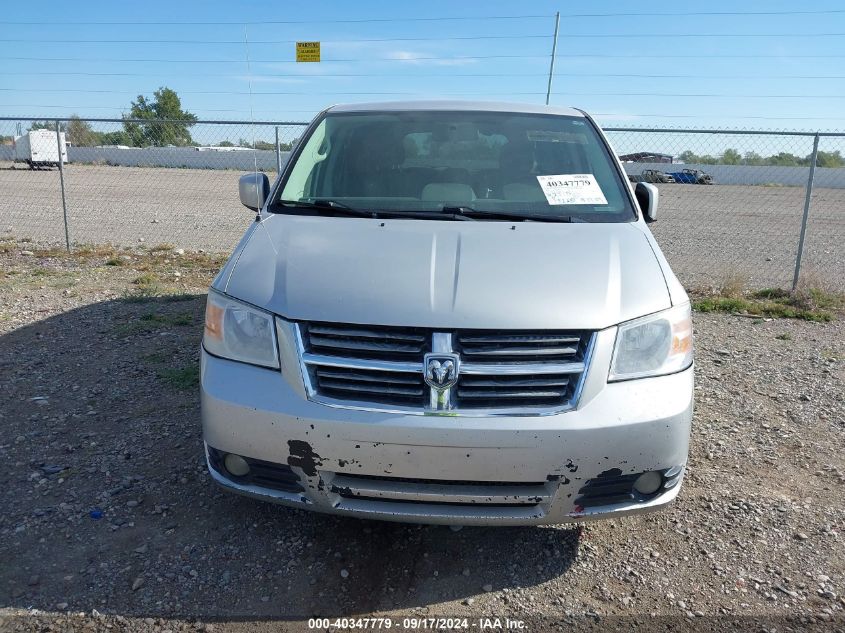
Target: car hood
point(446, 274)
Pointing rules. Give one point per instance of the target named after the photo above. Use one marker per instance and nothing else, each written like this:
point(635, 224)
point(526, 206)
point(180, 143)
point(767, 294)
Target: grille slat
point(514, 381)
point(514, 372)
point(321, 342)
point(377, 334)
point(367, 342)
point(380, 378)
point(518, 347)
point(371, 388)
point(399, 490)
point(523, 393)
point(520, 351)
point(387, 387)
point(520, 338)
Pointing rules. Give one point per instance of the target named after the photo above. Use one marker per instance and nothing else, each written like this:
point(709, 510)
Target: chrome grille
point(381, 368)
point(365, 384)
point(505, 389)
point(353, 341)
point(516, 347)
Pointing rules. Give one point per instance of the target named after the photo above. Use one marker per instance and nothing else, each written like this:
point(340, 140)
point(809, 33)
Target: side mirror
point(647, 196)
point(254, 189)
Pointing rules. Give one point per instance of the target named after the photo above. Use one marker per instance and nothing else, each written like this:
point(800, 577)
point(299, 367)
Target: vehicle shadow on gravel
point(108, 504)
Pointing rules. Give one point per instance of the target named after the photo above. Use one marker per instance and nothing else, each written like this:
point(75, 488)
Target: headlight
point(239, 331)
point(654, 345)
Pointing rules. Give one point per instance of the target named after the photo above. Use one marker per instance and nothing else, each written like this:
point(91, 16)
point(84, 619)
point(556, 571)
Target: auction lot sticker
point(572, 189)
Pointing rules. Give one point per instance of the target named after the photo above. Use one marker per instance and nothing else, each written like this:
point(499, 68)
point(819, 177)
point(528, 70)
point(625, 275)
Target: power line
point(442, 75)
point(429, 39)
point(272, 22)
point(419, 19)
point(277, 61)
point(356, 41)
point(315, 110)
point(627, 56)
point(411, 93)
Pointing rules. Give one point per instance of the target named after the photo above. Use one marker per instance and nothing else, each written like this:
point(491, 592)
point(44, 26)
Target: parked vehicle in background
point(449, 312)
point(652, 175)
point(38, 148)
point(692, 177)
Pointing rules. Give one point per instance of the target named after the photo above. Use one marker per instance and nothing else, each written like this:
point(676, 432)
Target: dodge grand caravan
point(449, 312)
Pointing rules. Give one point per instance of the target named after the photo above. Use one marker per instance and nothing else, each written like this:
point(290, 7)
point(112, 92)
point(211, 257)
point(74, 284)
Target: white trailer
point(38, 148)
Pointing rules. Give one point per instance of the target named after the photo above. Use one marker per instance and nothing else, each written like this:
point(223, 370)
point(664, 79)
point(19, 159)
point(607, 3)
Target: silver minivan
point(449, 312)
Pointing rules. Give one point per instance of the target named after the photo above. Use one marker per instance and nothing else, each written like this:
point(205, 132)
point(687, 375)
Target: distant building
point(647, 157)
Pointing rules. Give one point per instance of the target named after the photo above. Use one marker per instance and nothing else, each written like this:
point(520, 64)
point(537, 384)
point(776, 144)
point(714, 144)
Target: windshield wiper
point(328, 205)
point(470, 213)
point(342, 209)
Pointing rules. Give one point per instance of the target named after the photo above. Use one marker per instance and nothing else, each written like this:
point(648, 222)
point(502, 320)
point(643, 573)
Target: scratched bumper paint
point(632, 426)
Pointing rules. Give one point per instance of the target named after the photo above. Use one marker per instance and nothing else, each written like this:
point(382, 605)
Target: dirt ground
point(708, 233)
point(111, 522)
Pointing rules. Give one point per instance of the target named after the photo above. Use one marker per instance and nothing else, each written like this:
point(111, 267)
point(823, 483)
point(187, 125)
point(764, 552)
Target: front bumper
point(467, 470)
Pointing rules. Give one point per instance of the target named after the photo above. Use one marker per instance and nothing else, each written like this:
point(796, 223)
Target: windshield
point(505, 163)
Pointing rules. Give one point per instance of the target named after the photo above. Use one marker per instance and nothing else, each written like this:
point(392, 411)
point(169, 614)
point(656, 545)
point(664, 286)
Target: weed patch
point(812, 305)
point(153, 321)
point(183, 378)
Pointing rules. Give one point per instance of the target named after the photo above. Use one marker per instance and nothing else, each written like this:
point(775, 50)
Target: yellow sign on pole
point(308, 51)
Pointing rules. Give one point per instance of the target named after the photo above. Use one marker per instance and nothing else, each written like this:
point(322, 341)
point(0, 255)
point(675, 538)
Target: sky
point(783, 67)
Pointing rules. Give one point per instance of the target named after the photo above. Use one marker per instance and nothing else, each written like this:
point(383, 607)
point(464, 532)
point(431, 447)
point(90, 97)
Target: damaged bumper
point(501, 470)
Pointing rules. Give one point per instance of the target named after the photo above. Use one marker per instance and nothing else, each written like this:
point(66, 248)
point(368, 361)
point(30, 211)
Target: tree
point(785, 159)
point(169, 122)
point(118, 137)
point(81, 134)
point(731, 157)
point(828, 159)
point(753, 158)
point(690, 157)
point(266, 145)
point(225, 144)
point(47, 125)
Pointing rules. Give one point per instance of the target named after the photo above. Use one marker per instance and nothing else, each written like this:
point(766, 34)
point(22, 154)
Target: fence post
point(278, 153)
point(61, 146)
point(806, 212)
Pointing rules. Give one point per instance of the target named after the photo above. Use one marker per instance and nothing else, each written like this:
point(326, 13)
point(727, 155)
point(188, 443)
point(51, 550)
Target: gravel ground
point(708, 233)
point(111, 521)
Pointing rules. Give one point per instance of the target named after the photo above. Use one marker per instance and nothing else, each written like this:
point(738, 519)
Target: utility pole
point(554, 52)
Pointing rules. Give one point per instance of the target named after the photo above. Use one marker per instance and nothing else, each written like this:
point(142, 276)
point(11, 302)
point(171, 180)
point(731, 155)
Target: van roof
point(464, 106)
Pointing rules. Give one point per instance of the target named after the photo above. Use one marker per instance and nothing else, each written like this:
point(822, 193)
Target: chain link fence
point(135, 183)
point(731, 213)
point(732, 203)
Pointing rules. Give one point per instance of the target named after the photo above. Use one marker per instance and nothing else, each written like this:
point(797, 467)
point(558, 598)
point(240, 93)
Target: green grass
point(153, 321)
point(142, 295)
point(177, 297)
point(810, 305)
point(156, 358)
point(147, 280)
point(183, 378)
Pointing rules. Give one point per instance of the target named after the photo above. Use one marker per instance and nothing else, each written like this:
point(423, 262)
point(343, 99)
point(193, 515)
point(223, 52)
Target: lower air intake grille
point(261, 473)
point(614, 488)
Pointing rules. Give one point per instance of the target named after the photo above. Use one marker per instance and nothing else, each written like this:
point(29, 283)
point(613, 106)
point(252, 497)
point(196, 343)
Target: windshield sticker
point(549, 136)
point(572, 189)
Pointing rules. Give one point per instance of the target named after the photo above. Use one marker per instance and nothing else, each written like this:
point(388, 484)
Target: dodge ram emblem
point(441, 370)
